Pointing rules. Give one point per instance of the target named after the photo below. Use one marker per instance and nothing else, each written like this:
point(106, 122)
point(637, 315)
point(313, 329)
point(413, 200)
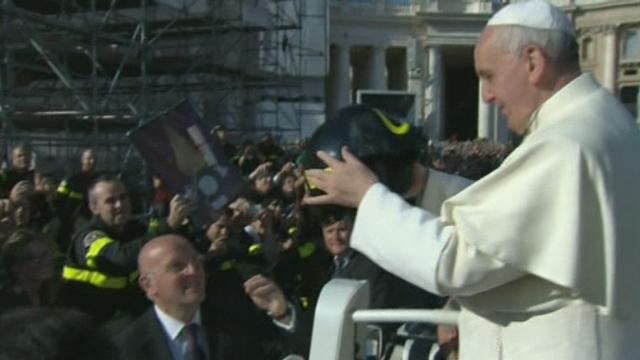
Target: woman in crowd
point(27, 261)
point(13, 216)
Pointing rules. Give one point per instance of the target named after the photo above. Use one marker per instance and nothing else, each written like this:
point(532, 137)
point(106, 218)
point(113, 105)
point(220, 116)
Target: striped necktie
point(194, 350)
point(339, 263)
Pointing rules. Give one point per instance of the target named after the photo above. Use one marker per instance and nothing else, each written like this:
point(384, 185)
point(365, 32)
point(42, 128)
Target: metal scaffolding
point(78, 73)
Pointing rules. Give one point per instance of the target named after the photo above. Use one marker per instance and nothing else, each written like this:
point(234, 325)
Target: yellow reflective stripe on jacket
point(306, 250)
point(292, 231)
point(76, 195)
point(94, 278)
point(228, 265)
point(255, 249)
point(95, 249)
point(304, 302)
point(63, 188)
point(154, 226)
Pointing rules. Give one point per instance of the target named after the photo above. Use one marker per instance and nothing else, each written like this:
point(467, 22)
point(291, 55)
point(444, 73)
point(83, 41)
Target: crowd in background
point(264, 231)
point(470, 159)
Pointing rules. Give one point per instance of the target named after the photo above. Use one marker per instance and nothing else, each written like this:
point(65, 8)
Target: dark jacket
point(10, 177)
point(359, 267)
point(99, 274)
point(387, 290)
point(244, 330)
point(71, 205)
point(145, 339)
point(71, 195)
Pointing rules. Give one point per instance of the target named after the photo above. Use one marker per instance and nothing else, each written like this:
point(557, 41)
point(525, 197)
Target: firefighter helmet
point(387, 146)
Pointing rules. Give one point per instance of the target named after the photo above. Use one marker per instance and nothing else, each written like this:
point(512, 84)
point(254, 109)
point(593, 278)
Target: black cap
point(386, 145)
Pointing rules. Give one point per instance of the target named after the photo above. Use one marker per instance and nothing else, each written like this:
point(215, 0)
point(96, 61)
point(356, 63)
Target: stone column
point(339, 84)
point(416, 76)
point(434, 111)
point(341, 80)
point(610, 58)
point(378, 69)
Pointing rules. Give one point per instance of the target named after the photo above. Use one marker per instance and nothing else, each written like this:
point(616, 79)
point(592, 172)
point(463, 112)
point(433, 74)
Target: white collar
point(549, 111)
point(173, 326)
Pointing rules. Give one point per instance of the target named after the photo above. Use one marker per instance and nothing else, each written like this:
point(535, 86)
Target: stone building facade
point(425, 48)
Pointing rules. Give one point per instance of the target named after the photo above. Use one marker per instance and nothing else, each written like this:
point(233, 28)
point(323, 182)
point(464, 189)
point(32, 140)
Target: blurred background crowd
point(49, 229)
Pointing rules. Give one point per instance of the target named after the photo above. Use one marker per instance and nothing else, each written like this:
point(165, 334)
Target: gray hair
point(559, 46)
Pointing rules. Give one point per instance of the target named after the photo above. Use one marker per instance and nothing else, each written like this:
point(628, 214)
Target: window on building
point(630, 42)
point(587, 49)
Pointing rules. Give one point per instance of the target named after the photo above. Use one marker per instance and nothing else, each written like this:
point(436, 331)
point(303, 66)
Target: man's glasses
point(179, 267)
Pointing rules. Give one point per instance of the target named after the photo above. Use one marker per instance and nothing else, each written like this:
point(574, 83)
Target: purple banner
point(180, 151)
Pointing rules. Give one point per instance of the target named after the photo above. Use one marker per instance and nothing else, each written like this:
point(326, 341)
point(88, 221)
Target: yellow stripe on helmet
point(395, 129)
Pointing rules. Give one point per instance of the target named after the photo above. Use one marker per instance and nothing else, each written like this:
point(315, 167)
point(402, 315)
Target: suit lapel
point(211, 334)
point(155, 345)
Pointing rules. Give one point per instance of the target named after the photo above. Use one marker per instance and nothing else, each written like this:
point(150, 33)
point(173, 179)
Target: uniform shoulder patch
point(92, 236)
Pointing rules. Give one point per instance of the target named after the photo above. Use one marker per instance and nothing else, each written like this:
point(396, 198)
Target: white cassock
point(543, 254)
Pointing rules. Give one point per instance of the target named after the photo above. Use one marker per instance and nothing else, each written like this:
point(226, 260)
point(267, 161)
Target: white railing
point(341, 314)
point(444, 317)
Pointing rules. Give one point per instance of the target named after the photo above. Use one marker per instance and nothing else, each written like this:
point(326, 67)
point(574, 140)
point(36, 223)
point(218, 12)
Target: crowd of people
point(78, 246)
point(470, 159)
point(244, 286)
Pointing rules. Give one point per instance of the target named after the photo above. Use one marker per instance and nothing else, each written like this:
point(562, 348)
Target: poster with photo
point(179, 150)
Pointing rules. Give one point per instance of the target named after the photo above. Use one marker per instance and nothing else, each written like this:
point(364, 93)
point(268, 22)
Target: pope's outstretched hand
point(345, 184)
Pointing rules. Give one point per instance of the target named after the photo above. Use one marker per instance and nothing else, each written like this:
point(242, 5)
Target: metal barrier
point(339, 319)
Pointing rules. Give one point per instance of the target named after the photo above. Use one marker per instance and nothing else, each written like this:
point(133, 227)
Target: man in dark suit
point(387, 290)
point(336, 223)
point(172, 276)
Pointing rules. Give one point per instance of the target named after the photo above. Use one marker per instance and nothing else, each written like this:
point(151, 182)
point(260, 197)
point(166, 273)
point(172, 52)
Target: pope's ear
point(536, 62)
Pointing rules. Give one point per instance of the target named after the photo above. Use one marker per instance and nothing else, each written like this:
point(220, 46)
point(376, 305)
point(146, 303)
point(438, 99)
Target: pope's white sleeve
point(463, 270)
point(415, 245)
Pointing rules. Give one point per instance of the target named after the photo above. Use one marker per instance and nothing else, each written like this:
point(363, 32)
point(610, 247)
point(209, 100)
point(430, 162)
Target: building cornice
point(457, 17)
point(450, 39)
point(600, 6)
point(362, 14)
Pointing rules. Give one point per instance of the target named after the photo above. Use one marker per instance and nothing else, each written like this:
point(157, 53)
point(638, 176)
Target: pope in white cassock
point(543, 253)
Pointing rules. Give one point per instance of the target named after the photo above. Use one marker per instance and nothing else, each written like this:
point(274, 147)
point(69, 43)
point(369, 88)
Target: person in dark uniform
point(221, 137)
point(71, 198)
point(244, 332)
point(269, 149)
point(19, 178)
point(100, 270)
point(22, 184)
point(72, 191)
point(18, 182)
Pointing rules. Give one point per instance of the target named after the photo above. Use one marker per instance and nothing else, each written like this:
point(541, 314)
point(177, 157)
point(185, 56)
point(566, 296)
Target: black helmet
point(387, 146)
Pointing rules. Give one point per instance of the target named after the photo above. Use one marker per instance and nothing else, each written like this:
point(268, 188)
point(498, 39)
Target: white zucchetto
point(536, 14)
